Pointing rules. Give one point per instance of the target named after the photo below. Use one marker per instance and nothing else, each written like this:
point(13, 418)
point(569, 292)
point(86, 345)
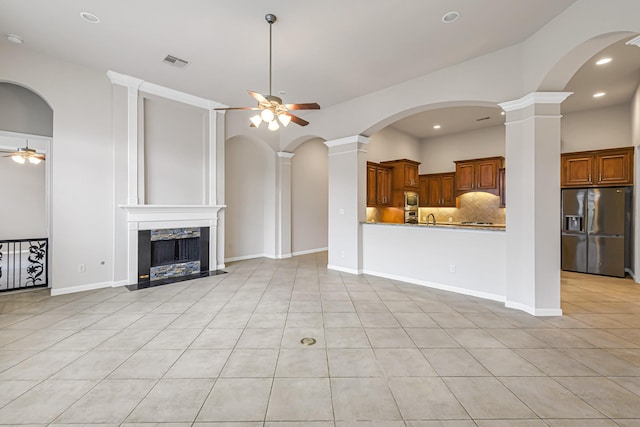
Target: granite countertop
point(452, 225)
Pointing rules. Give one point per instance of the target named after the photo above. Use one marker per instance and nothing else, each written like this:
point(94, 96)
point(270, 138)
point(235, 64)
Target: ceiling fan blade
point(307, 106)
point(297, 120)
point(238, 108)
point(258, 97)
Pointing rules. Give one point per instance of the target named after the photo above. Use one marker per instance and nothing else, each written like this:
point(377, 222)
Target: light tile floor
point(225, 351)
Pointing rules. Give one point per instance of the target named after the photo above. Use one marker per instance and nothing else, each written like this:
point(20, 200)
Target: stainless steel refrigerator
point(595, 230)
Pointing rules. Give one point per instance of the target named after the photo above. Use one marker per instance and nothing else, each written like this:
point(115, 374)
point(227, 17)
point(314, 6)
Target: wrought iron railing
point(23, 264)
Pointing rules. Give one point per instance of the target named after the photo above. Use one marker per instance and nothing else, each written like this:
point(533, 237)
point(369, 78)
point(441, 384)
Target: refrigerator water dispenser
point(573, 223)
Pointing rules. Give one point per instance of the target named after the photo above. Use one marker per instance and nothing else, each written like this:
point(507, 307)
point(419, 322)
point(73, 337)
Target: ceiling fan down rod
point(271, 18)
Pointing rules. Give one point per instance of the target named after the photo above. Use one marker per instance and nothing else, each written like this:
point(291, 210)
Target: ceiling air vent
point(483, 118)
point(176, 62)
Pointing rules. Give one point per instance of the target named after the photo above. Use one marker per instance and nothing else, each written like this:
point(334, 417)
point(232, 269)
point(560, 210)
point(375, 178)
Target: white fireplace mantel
point(150, 217)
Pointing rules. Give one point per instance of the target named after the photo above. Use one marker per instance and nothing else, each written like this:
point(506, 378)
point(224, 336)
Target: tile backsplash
point(476, 207)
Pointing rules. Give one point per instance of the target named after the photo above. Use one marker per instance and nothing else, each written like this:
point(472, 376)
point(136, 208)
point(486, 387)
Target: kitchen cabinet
point(404, 177)
point(598, 168)
point(478, 175)
point(502, 186)
point(378, 185)
point(438, 190)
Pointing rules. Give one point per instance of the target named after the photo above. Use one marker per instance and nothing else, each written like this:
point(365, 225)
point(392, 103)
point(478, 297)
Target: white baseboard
point(309, 251)
point(220, 267)
point(449, 288)
point(532, 310)
point(117, 283)
point(243, 257)
point(344, 269)
point(81, 288)
point(630, 273)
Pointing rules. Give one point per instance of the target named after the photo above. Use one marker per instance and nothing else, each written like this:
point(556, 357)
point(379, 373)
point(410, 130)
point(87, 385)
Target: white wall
point(391, 144)
point(81, 155)
point(599, 128)
point(23, 193)
point(438, 154)
point(23, 111)
point(175, 141)
point(309, 197)
point(477, 256)
point(250, 198)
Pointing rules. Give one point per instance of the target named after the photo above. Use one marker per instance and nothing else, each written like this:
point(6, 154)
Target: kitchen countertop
point(451, 225)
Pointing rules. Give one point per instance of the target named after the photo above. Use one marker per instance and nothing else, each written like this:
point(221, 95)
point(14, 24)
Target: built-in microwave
point(410, 200)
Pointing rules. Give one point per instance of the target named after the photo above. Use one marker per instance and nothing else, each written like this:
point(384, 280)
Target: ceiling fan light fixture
point(18, 158)
point(256, 120)
point(285, 119)
point(273, 125)
point(34, 160)
point(267, 115)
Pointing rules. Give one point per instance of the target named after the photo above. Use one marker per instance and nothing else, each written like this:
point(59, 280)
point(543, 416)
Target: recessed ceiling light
point(603, 61)
point(436, 126)
point(599, 94)
point(90, 17)
point(502, 113)
point(13, 38)
point(450, 17)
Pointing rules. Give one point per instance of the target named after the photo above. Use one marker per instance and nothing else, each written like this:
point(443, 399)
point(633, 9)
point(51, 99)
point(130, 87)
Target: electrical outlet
point(452, 268)
point(82, 268)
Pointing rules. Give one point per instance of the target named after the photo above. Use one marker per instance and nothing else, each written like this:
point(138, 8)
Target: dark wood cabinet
point(378, 185)
point(437, 190)
point(502, 186)
point(601, 168)
point(404, 177)
point(478, 175)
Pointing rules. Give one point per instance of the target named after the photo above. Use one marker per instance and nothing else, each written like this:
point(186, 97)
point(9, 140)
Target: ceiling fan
point(21, 155)
point(270, 106)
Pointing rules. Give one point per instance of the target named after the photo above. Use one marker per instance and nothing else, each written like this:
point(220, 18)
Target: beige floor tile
point(341, 320)
point(511, 423)
point(172, 400)
point(292, 337)
point(146, 364)
point(128, 339)
point(237, 399)
point(246, 363)
point(604, 362)
point(583, 423)
point(431, 338)
point(199, 364)
point(267, 320)
point(346, 338)
point(556, 363)
point(10, 390)
point(415, 320)
point(516, 338)
point(427, 398)
point(353, 363)
point(300, 399)
point(446, 423)
point(452, 362)
point(94, 365)
point(294, 363)
point(403, 362)
point(173, 339)
point(39, 340)
point(474, 338)
point(389, 338)
point(604, 395)
point(40, 366)
point(260, 338)
point(216, 339)
point(192, 321)
point(505, 362)
point(363, 399)
point(549, 399)
point(378, 320)
point(44, 402)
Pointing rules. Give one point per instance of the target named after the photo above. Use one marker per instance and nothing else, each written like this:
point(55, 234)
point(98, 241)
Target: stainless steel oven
point(411, 217)
point(410, 200)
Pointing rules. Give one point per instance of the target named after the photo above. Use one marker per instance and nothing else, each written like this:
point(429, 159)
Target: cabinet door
point(423, 191)
point(447, 191)
point(433, 190)
point(615, 168)
point(383, 180)
point(465, 176)
point(411, 175)
point(487, 178)
point(577, 170)
point(371, 185)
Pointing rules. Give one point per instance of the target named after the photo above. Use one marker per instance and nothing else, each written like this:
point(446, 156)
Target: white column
point(533, 202)
point(347, 202)
point(283, 205)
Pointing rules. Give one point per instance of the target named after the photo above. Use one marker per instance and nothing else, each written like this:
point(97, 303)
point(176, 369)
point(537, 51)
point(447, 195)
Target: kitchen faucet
point(430, 217)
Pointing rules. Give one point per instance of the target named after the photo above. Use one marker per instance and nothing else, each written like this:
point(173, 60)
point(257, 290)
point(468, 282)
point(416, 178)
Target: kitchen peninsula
point(463, 252)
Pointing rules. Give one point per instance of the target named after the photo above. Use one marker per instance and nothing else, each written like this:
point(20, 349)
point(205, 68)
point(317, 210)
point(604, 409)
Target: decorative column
point(347, 202)
point(283, 205)
point(533, 203)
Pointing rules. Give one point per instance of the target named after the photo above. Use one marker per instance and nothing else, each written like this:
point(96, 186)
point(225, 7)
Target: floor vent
point(176, 62)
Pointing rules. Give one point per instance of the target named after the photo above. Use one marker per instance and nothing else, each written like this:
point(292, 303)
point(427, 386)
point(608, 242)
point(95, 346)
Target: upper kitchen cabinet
point(378, 185)
point(438, 190)
point(478, 175)
point(404, 177)
point(601, 168)
point(502, 186)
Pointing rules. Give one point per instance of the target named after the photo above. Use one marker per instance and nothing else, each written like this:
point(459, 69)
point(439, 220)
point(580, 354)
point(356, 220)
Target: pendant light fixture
point(22, 155)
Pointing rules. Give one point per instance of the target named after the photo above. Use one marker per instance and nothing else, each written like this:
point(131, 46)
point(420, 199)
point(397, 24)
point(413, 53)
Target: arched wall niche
point(23, 110)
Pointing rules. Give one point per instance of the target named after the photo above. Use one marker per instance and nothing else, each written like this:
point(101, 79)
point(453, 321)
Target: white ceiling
point(327, 51)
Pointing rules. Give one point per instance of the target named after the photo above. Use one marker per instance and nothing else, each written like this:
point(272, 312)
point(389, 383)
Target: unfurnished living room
point(338, 214)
